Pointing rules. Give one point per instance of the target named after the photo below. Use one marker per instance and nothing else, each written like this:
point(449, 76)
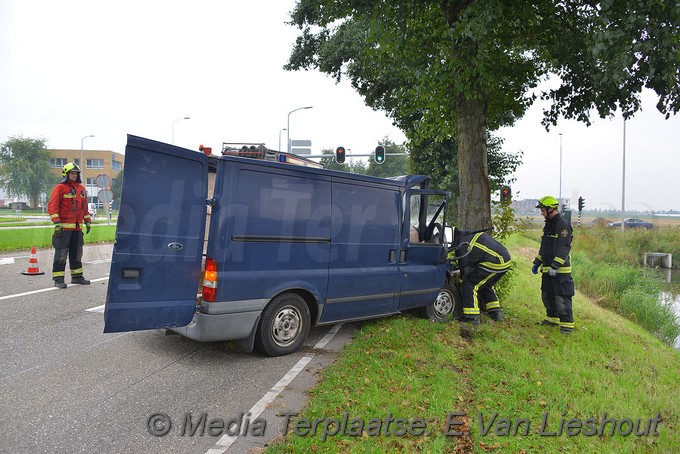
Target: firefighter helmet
point(548, 202)
point(70, 167)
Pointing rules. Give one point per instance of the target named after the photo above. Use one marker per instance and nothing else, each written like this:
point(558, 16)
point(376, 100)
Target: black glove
point(88, 227)
point(57, 231)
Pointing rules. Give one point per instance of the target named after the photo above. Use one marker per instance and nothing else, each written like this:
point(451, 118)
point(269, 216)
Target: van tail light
point(210, 280)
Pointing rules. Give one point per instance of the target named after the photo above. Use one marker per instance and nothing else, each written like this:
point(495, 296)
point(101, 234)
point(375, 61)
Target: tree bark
point(474, 206)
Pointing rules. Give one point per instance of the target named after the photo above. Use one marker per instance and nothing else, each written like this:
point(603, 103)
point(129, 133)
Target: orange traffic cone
point(33, 269)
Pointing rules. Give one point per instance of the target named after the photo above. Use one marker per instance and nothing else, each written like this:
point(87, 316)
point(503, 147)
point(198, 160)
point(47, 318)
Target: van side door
point(156, 263)
point(363, 278)
point(422, 262)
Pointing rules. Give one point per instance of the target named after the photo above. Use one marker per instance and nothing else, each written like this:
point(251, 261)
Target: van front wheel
point(446, 306)
point(284, 325)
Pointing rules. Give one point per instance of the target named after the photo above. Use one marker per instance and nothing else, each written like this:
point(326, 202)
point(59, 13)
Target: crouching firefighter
point(68, 209)
point(554, 262)
point(483, 262)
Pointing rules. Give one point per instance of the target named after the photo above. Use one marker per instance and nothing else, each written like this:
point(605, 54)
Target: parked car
point(632, 224)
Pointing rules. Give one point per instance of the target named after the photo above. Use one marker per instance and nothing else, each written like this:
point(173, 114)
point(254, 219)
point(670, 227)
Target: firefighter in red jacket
point(484, 264)
point(68, 209)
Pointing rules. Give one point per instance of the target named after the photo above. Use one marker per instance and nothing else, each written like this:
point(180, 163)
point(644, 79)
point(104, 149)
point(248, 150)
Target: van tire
point(284, 325)
point(446, 307)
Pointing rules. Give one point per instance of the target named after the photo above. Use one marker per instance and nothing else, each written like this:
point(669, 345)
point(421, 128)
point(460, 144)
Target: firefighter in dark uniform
point(554, 262)
point(484, 265)
point(69, 210)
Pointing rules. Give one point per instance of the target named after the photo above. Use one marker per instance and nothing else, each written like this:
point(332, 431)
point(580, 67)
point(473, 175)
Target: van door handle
point(393, 256)
point(402, 256)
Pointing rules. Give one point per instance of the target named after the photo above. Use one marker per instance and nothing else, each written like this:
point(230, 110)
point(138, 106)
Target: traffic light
point(340, 155)
point(581, 203)
point(379, 154)
point(506, 194)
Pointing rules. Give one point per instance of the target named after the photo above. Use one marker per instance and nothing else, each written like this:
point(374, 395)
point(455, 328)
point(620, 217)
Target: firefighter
point(68, 209)
point(481, 268)
point(554, 262)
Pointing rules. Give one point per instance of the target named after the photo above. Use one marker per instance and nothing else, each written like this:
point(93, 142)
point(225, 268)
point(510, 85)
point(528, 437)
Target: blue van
point(288, 247)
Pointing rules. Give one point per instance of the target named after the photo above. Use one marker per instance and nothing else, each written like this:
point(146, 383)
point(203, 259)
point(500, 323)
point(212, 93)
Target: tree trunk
point(474, 207)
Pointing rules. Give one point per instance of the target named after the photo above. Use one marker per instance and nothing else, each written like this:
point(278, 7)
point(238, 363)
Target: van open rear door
point(156, 263)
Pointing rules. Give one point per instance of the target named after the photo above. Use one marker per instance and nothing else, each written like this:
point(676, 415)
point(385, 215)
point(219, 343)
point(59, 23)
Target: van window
point(426, 217)
point(368, 214)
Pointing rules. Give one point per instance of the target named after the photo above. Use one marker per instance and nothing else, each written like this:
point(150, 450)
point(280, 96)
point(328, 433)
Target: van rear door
point(156, 263)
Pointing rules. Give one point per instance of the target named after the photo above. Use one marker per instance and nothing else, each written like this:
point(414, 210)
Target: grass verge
point(23, 239)
point(533, 379)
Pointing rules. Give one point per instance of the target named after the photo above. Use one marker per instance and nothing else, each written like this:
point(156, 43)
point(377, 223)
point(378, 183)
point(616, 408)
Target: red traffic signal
point(340, 155)
point(506, 194)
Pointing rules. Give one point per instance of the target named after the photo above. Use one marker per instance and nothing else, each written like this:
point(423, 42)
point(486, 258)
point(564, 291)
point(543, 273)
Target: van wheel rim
point(286, 326)
point(443, 305)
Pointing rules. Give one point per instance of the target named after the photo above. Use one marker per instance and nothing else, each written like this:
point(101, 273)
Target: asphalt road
point(67, 387)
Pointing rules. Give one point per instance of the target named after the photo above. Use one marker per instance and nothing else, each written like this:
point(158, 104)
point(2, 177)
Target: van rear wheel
point(284, 325)
point(446, 306)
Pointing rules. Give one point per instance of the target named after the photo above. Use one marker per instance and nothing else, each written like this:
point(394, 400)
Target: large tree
point(447, 70)
point(25, 168)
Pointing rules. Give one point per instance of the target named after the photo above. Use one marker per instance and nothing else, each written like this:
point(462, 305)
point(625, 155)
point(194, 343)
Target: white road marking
point(7, 261)
point(97, 309)
point(49, 289)
point(226, 441)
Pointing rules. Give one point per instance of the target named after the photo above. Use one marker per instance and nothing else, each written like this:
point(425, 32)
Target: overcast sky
point(72, 68)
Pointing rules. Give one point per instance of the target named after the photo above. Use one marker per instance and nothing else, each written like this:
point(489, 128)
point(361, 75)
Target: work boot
point(59, 283)
point(496, 316)
point(547, 323)
point(79, 280)
point(565, 331)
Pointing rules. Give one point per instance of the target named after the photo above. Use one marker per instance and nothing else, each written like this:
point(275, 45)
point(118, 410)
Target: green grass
point(41, 237)
point(414, 369)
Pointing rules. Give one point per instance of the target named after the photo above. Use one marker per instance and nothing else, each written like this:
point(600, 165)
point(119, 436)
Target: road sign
point(300, 143)
point(103, 180)
point(301, 150)
point(105, 195)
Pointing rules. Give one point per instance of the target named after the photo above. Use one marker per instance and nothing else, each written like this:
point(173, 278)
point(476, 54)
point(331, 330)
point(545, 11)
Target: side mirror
point(448, 237)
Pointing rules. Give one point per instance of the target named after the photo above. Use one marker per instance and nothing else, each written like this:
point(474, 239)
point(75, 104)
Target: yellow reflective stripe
point(500, 266)
point(55, 215)
point(553, 236)
point(68, 195)
point(562, 269)
point(475, 290)
point(538, 257)
point(567, 325)
point(470, 311)
point(67, 225)
point(496, 266)
point(553, 320)
point(87, 217)
point(77, 271)
point(57, 274)
point(493, 305)
point(559, 260)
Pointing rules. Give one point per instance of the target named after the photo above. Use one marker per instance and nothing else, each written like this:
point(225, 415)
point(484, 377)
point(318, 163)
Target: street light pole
point(82, 162)
point(284, 129)
point(288, 125)
point(173, 127)
point(623, 180)
point(560, 196)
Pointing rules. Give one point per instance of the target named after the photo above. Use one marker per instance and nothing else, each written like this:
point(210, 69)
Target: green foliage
point(448, 70)
point(117, 186)
point(393, 165)
point(25, 168)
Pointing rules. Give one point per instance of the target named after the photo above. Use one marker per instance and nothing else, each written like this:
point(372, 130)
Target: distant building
point(97, 162)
